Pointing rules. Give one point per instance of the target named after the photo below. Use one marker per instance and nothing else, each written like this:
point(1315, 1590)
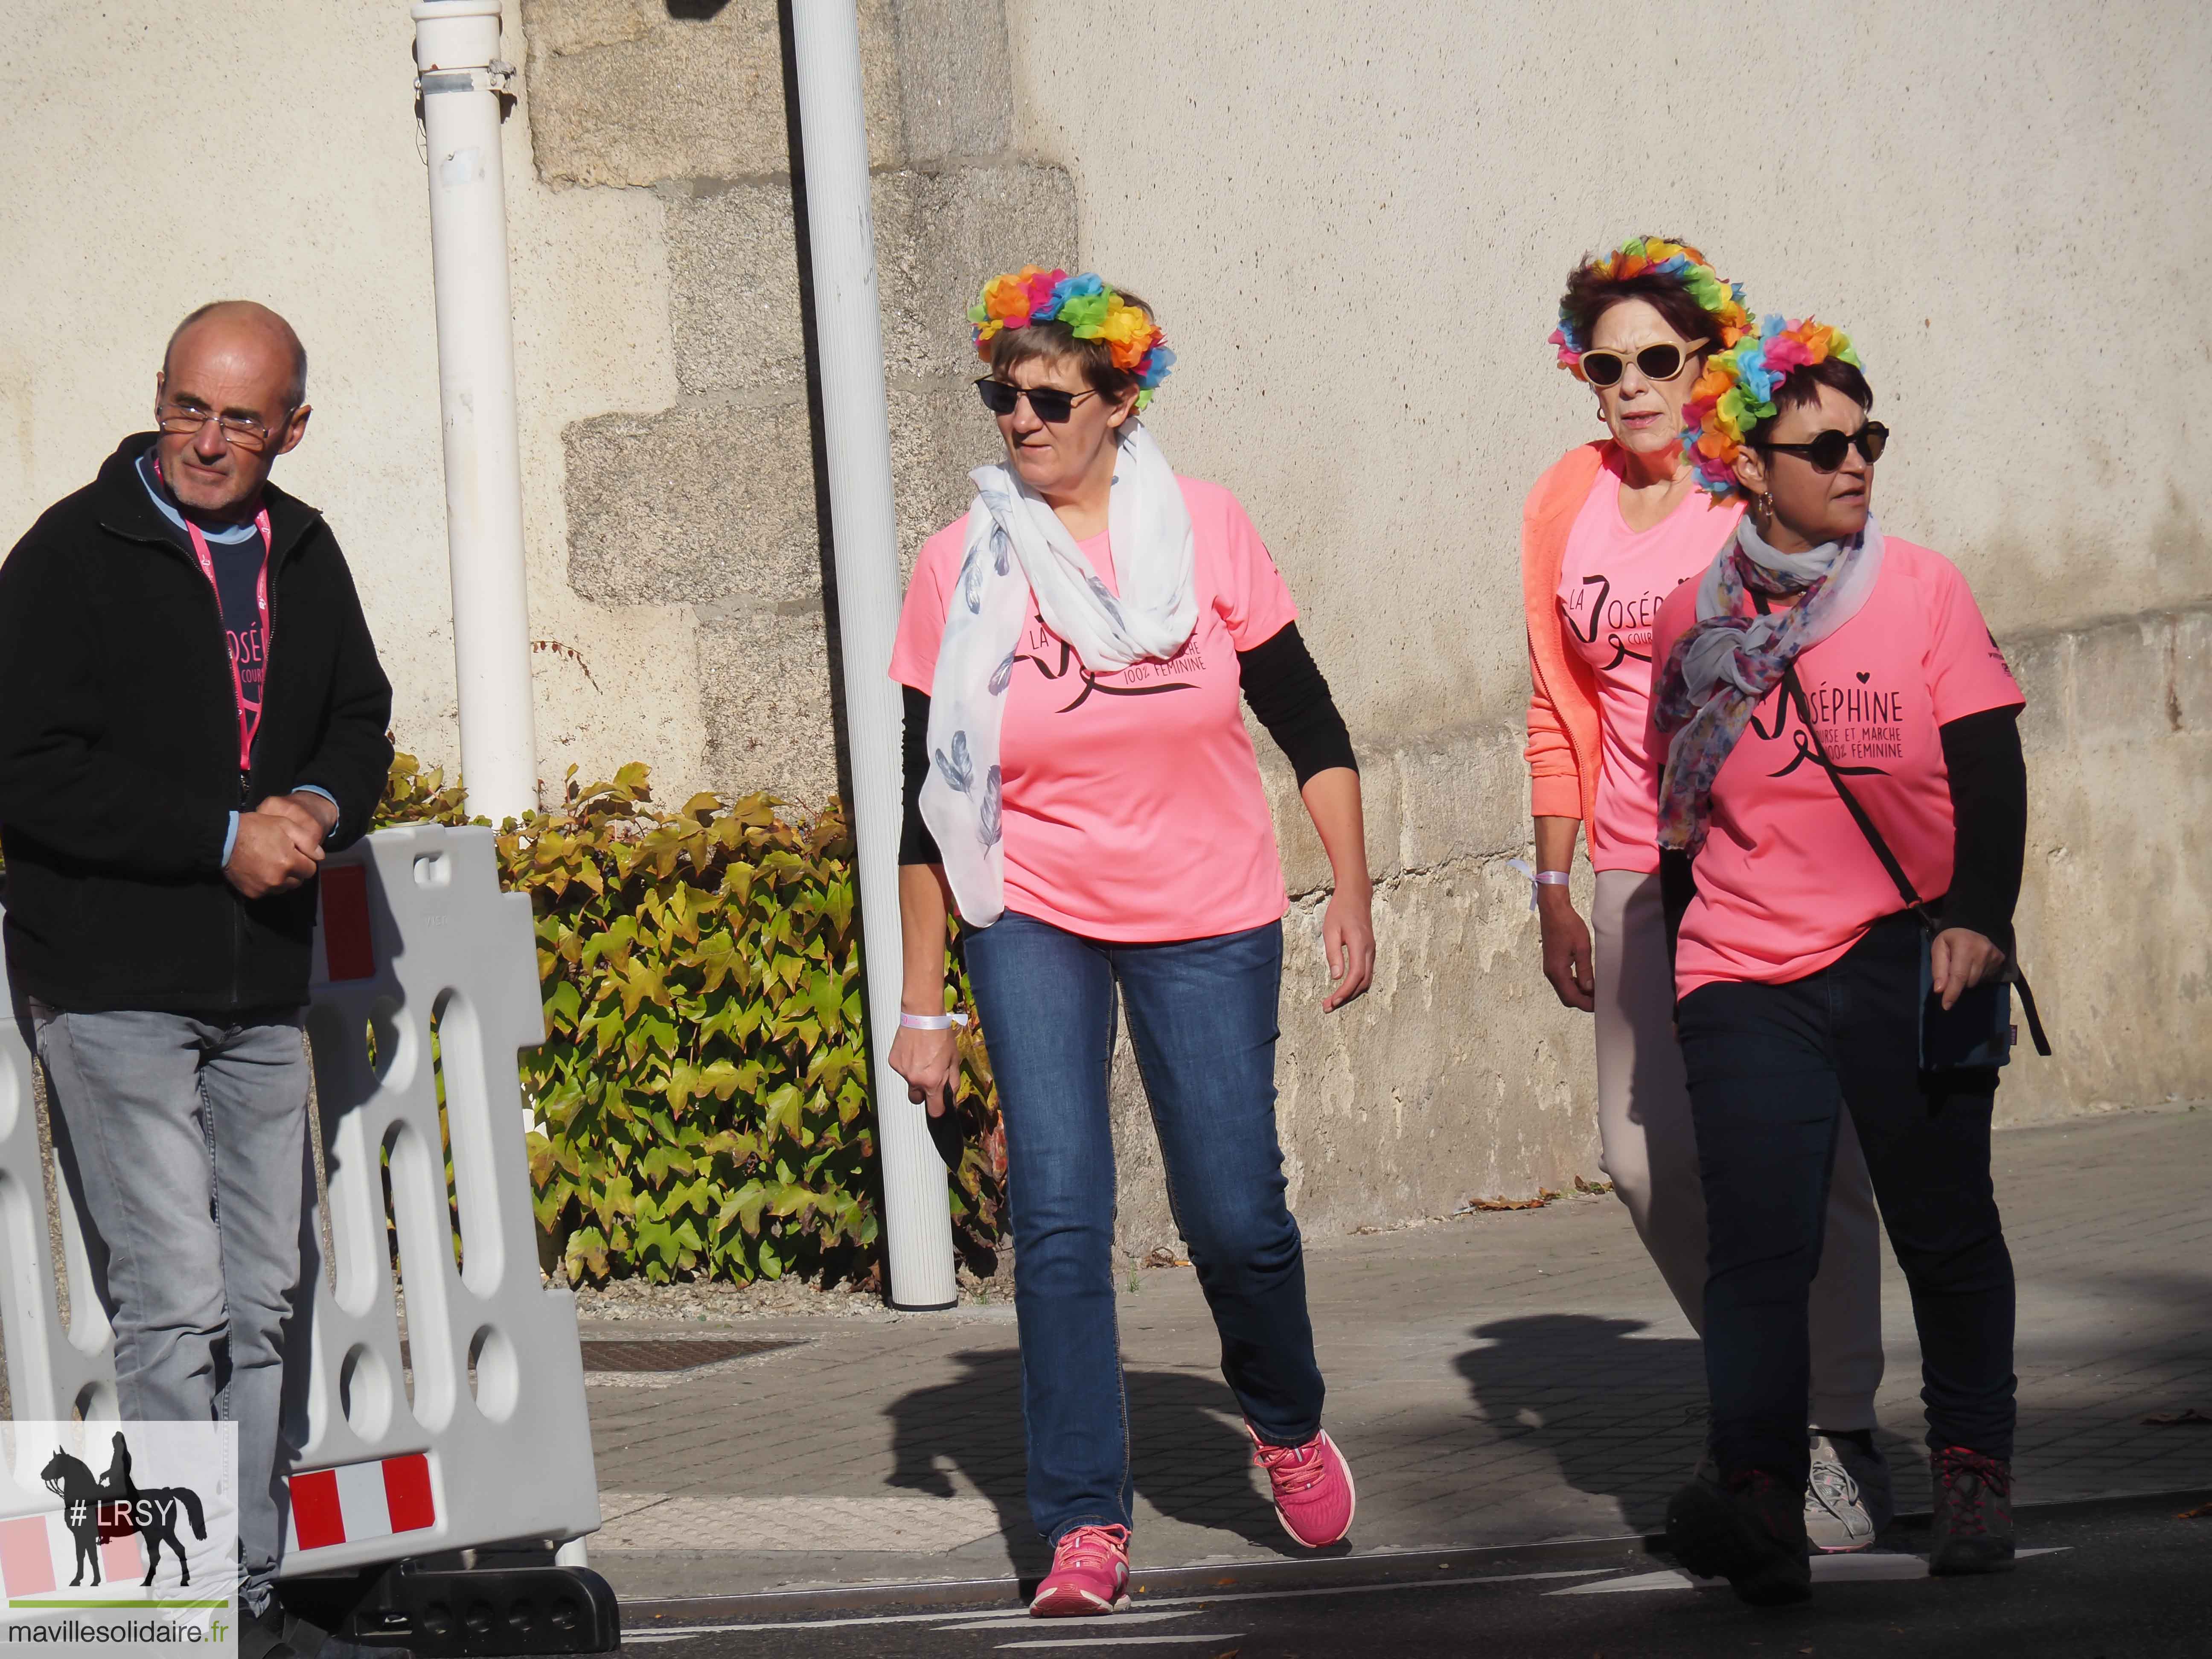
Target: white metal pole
point(457, 56)
point(856, 434)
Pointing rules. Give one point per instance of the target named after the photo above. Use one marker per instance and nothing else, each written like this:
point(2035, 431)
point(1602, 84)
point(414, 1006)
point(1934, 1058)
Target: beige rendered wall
point(160, 156)
point(1356, 219)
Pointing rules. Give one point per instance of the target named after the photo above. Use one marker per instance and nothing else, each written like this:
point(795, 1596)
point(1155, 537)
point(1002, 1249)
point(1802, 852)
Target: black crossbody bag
point(1975, 1032)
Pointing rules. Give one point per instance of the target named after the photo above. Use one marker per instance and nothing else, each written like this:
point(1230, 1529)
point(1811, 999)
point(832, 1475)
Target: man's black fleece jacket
point(118, 752)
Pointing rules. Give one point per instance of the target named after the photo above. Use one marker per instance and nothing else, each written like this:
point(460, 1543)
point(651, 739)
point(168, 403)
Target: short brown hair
point(1803, 387)
point(1057, 341)
point(1590, 296)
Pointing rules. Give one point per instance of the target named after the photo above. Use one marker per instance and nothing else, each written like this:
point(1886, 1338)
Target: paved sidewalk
point(1499, 1379)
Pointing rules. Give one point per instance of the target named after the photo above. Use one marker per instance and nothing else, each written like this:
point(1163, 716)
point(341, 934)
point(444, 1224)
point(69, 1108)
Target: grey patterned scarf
point(1722, 668)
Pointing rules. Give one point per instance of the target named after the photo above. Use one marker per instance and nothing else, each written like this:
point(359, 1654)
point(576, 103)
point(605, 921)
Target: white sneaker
point(1871, 1470)
point(1847, 1497)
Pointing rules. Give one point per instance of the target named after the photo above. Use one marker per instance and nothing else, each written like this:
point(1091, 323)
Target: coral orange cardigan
point(1563, 728)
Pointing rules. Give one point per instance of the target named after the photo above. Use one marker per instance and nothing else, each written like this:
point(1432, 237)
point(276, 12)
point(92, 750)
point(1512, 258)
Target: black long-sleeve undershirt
point(1292, 700)
point(916, 844)
point(1989, 830)
point(1989, 818)
point(1289, 696)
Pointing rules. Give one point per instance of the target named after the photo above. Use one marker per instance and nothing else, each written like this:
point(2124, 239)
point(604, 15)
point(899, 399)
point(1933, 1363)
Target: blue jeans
point(1202, 1021)
point(1772, 1070)
point(185, 1143)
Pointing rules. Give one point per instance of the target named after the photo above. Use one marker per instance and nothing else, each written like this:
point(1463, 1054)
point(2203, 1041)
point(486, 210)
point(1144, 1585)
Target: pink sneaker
point(1089, 1575)
point(1314, 1498)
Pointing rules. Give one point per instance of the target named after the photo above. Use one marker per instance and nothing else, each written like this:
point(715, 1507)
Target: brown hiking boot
point(1749, 1530)
point(1971, 1528)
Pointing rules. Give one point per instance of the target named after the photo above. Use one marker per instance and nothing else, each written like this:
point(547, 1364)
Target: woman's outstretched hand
point(926, 1059)
point(1347, 938)
point(1569, 964)
point(1961, 959)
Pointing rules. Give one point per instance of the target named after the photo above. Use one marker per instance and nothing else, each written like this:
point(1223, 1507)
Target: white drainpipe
point(461, 75)
point(856, 433)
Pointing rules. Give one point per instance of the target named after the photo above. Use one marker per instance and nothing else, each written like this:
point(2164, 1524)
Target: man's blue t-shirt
point(238, 554)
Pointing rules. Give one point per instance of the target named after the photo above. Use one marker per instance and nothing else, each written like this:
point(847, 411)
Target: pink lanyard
point(249, 713)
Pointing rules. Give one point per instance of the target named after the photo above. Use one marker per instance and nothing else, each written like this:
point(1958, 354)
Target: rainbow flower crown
point(1642, 255)
point(1090, 310)
point(1736, 391)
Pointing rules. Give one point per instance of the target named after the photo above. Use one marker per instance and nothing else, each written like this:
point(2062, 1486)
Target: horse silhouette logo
point(95, 1510)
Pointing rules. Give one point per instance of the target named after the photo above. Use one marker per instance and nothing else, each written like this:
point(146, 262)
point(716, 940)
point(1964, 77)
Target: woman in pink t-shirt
point(1609, 532)
point(1075, 654)
point(1840, 745)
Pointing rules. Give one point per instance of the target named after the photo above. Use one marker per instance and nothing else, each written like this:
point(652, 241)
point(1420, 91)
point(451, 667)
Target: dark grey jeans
point(185, 1141)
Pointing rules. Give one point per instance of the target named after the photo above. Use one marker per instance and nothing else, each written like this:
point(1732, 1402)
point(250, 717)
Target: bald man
point(169, 782)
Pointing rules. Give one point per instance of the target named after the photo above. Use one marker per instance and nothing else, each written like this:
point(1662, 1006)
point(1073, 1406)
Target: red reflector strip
point(348, 947)
point(27, 1559)
point(407, 1492)
point(316, 1518)
point(356, 1502)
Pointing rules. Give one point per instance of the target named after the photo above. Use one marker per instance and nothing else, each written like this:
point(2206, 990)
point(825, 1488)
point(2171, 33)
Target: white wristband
point(1538, 877)
point(931, 1022)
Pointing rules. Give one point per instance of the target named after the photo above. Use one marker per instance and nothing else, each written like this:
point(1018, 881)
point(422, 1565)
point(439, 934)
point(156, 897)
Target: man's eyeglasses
point(1826, 453)
point(252, 436)
point(1662, 361)
point(1048, 403)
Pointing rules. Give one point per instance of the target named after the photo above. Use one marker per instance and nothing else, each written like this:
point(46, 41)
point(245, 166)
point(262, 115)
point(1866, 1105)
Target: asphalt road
point(2129, 1581)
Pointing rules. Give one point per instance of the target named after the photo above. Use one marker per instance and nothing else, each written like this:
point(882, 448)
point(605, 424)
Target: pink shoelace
point(1091, 1547)
point(1292, 1469)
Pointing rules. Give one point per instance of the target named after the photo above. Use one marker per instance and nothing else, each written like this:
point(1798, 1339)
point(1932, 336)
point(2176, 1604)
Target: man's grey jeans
point(186, 1143)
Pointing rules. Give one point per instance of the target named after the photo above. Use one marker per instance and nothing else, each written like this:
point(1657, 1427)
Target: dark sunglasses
point(1826, 453)
point(1048, 403)
point(1657, 363)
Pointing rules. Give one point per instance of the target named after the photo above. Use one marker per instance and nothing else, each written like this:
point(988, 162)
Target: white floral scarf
point(1016, 549)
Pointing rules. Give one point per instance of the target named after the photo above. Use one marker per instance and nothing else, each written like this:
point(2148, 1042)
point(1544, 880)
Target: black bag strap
point(1902, 882)
point(2027, 1007)
point(1796, 689)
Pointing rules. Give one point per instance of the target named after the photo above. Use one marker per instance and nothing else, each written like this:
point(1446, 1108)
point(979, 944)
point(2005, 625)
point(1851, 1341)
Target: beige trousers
point(1650, 1152)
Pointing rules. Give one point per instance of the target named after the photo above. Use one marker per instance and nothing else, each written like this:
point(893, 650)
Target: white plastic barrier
point(53, 1374)
point(492, 1443)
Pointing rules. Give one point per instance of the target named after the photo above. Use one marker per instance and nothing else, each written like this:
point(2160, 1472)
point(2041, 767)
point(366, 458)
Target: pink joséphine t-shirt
point(1132, 804)
point(1611, 583)
point(1786, 884)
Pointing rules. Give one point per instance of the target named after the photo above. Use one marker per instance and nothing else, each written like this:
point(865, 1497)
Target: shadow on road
point(1622, 1415)
point(1191, 1459)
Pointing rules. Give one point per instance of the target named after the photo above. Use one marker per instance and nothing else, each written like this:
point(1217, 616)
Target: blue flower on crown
point(1759, 380)
point(1066, 288)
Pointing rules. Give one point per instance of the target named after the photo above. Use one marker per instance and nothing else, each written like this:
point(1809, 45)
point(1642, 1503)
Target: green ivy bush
point(704, 1087)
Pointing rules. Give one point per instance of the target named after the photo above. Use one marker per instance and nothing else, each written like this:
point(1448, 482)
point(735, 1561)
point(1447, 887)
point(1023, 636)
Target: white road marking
point(1119, 1619)
point(1125, 1641)
point(1149, 1603)
point(1826, 1570)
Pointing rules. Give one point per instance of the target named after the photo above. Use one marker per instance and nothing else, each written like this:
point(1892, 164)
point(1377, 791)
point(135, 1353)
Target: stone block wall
point(1459, 1075)
point(711, 503)
point(2116, 910)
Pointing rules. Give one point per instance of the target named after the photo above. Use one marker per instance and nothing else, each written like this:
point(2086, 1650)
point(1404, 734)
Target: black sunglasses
point(1826, 453)
point(1049, 404)
point(1658, 362)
